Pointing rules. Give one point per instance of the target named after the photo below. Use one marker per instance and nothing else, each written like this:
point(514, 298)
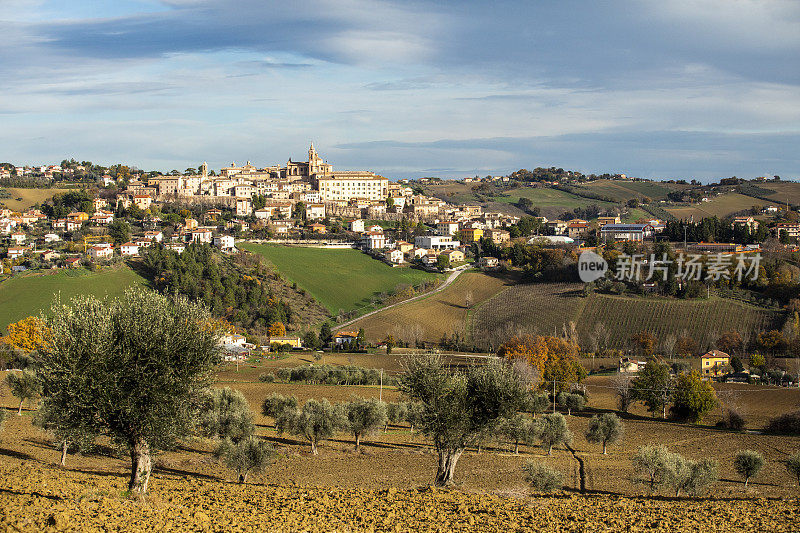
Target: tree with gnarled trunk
point(365, 417)
point(457, 406)
point(133, 368)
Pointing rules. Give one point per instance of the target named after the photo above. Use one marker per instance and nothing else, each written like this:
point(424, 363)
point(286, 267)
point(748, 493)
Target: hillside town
point(306, 202)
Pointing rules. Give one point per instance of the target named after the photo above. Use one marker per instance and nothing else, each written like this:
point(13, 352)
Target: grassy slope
point(545, 308)
point(338, 279)
point(623, 191)
point(720, 206)
point(26, 295)
point(29, 197)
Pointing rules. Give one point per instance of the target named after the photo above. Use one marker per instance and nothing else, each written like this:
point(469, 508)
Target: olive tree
point(76, 435)
point(396, 412)
point(364, 417)
point(792, 465)
point(316, 421)
point(536, 403)
point(606, 428)
point(225, 414)
point(652, 462)
point(281, 408)
point(251, 454)
point(518, 429)
point(748, 464)
point(553, 431)
point(24, 385)
point(456, 406)
point(133, 368)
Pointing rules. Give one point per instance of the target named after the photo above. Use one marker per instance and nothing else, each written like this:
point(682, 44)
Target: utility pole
point(554, 396)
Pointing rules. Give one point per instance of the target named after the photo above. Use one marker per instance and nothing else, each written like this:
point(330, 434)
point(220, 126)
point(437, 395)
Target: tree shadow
point(34, 493)
point(17, 455)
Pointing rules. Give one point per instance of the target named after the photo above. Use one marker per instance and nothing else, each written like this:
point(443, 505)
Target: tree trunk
point(604, 447)
point(550, 450)
point(64, 446)
point(19, 411)
point(314, 447)
point(447, 466)
point(243, 477)
point(745, 481)
point(141, 466)
point(516, 448)
point(358, 441)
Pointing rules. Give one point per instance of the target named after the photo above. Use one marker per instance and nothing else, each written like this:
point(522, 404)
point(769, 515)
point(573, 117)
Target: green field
point(338, 279)
point(545, 308)
point(28, 294)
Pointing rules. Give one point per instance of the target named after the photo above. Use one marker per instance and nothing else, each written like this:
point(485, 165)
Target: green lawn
point(26, 295)
point(338, 279)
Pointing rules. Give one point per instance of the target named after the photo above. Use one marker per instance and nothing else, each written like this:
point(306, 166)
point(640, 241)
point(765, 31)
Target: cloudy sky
point(660, 89)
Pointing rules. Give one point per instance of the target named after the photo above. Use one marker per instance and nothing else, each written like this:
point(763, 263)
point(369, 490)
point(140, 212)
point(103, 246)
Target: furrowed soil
point(385, 486)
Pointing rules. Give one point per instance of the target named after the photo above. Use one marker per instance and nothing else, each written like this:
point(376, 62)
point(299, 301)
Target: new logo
point(591, 267)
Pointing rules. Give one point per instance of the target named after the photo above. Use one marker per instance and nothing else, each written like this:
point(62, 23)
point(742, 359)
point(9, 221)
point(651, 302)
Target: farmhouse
point(344, 337)
point(18, 238)
point(294, 342)
point(454, 256)
point(224, 242)
point(16, 252)
point(630, 366)
point(373, 240)
point(488, 263)
point(317, 228)
point(712, 363)
point(357, 226)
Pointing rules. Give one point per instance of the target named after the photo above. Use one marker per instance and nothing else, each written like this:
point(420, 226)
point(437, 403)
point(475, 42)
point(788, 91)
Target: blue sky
point(658, 89)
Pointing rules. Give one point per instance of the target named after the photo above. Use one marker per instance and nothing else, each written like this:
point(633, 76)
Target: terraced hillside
point(546, 308)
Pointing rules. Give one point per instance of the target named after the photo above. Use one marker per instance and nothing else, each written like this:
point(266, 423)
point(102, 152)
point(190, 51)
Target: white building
point(436, 242)
point(347, 185)
point(224, 242)
point(202, 235)
point(373, 240)
point(129, 249)
point(394, 256)
point(315, 211)
point(626, 232)
point(51, 237)
point(357, 226)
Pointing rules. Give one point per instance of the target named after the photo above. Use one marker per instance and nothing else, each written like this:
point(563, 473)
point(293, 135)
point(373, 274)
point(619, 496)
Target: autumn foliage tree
point(645, 343)
point(686, 346)
point(26, 335)
point(276, 329)
point(553, 358)
point(730, 342)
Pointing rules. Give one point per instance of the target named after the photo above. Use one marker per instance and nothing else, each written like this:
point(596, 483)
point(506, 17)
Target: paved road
point(450, 279)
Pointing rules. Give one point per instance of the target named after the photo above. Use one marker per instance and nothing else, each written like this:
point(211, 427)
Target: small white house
point(357, 226)
point(51, 237)
point(224, 242)
point(394, 256)
point(129, 249)
point(18, 238)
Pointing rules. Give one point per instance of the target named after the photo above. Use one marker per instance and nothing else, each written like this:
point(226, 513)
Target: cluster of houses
point(715, 365)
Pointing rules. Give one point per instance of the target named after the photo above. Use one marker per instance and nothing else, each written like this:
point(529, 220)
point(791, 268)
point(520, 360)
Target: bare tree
point(668, 345)
point(623, 388)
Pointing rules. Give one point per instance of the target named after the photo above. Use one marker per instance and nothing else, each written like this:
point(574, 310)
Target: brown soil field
point(385, 486)
point(441, 313)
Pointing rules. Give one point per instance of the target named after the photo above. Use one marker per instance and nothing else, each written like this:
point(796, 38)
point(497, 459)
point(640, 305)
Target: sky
point(694, 89)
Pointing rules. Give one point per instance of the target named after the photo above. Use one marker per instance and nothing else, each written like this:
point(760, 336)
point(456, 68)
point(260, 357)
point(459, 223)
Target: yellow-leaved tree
point(276, 329)
point(554, 359)
point(27, 335)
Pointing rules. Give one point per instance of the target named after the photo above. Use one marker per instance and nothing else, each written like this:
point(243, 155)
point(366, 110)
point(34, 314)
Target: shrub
point(786, 424)
point(248, 455)
point(690, 476)
point(267, 378)
point(606, 428)
point(747, 464)
point(543, 478)
point(553, 430)
point(733, 420)
point(284, 374)
point(793, 466)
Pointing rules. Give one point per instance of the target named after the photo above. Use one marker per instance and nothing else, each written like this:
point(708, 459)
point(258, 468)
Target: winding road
point(450, 279)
